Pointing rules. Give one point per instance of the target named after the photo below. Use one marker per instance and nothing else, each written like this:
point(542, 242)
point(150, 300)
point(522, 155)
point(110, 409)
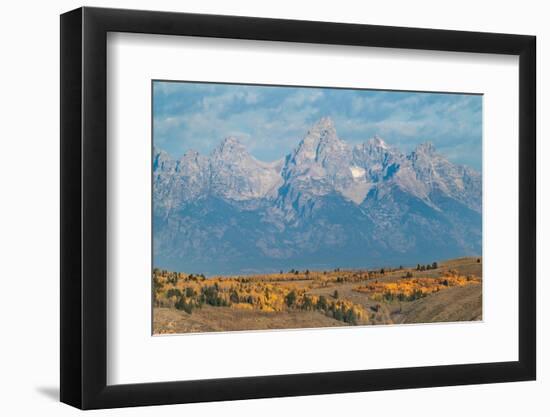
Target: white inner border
point(134, 356)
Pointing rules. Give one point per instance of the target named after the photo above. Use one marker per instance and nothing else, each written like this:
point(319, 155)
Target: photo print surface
point(278, 207)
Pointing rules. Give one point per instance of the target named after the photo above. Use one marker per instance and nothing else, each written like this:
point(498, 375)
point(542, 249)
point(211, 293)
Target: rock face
point(326, 205)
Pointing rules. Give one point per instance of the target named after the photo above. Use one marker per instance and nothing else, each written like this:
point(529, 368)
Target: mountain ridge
point(370, 195)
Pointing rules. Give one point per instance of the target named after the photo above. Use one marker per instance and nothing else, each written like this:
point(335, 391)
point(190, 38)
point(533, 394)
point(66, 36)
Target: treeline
point(426, 267)
point(323, 278)
point(188, 295)
point(401, 296)
point(415, 288)
point(338, 309)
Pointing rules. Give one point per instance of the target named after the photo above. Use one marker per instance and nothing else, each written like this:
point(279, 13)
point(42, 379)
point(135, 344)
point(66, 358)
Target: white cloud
point(271, 121)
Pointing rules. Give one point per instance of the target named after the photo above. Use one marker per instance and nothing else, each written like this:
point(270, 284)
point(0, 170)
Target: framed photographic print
point(354, 202)
point(321, 231)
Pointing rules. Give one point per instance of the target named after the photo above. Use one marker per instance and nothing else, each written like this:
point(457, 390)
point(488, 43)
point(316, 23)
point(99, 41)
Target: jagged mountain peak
point(324, 123)
point(236, 175)
point(162, 160)
point(323, 130)
point(426, 148)
point(230, 145)
point(378, 142)
point(231, 141)
point(321, 140)
point(160, 153)
point(190, 154)
point(192, 163)
point(376, 147)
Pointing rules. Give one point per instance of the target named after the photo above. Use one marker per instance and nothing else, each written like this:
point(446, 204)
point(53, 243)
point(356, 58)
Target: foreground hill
point(451, 291)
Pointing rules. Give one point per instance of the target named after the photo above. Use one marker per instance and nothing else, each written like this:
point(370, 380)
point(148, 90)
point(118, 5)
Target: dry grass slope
point(445, 291)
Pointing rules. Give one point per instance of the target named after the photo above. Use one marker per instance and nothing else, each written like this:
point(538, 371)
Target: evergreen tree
point(322, 303)
point(307, 304)
point(290, 298)
point(350, 317)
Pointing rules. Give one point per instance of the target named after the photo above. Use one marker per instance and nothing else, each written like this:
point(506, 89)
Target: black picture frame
point(84, 207)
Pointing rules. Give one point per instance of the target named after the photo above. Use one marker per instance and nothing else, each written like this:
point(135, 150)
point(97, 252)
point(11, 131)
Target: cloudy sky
point(270, 121)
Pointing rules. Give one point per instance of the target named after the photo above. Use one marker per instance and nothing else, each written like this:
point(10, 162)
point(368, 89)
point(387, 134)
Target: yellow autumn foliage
point(415, 287)
point(278, 293)
point(300, 290)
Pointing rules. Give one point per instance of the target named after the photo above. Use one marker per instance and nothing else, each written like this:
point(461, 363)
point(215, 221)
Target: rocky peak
point(376, 156)
point(191, 157)
point(236, 175)
point(426, 148)
point(377, 142)
point(191, 154)
point(162, 161)
point(193, 164)
point(230, 146)
point(428, 165)
point(426, 158)
point(318, 141)
point(324, 124)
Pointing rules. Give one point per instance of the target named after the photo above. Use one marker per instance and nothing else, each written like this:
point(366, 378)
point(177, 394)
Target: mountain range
point(327, 204)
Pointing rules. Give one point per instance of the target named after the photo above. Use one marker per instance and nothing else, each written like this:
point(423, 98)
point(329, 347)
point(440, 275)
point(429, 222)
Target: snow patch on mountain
point(357, 172)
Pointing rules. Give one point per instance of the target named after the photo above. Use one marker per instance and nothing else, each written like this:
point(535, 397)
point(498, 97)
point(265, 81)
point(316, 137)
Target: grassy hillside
point(445, 291)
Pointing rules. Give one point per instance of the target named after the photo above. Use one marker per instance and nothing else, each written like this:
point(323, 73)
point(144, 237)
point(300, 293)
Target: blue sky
point(270, 121)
